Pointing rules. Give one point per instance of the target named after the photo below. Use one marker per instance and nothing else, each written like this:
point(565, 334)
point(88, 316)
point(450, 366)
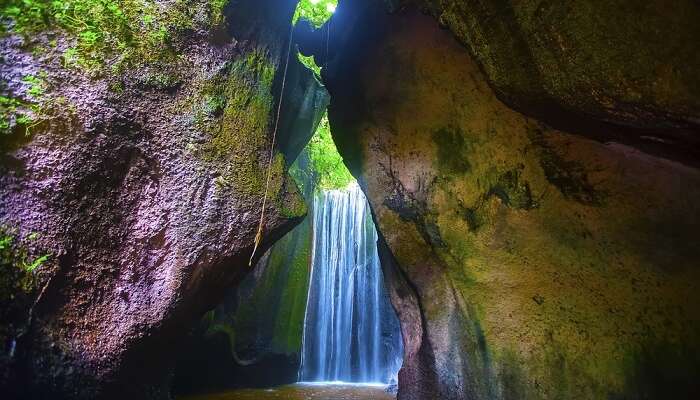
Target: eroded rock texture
point(525, 262)
point(254, 337)
point(571, 63)
point(146, 189)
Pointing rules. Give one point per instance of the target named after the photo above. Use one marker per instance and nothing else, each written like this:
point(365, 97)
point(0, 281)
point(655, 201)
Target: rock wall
point(254, 337)
point(143, 180)
point(525, 262)
point(571, 63)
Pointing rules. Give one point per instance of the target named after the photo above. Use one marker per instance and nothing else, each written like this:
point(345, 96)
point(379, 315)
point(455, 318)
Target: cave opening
point(176, 221)
point(314, 315)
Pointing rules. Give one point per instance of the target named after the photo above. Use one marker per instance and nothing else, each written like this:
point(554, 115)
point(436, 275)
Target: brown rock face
point(567, 62)
point(525, 262)
point(148, 198)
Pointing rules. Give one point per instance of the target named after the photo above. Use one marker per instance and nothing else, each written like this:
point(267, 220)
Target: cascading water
point(351, 332)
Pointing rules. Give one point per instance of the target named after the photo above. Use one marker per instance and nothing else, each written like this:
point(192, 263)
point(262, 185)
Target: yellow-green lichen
point(548, 242)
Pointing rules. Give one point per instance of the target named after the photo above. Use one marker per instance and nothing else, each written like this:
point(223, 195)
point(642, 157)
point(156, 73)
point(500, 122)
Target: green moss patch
point(234, 108)
point(108, 32)
point(451, 147)
point(327, 164)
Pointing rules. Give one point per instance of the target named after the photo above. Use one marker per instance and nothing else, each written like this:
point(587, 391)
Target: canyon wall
point(578, 63)
point(528, 258)
point(136, 163)
point(254, 337)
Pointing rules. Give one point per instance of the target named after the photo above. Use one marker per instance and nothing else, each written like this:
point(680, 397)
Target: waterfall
point(351, 332)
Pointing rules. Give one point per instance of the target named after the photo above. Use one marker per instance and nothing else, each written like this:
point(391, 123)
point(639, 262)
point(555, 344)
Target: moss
point(271, 319)
point(110, 35)
point(289, 326)
point(245, 96)
point(562, 292)
point(17, 113)
point(570, 177)
point(451, 147)
point(161, 81)
point(235, 109)
point(37, 110)
point(270, 312)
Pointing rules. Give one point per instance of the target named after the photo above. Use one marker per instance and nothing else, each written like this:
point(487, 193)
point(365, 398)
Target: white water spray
point(351, 333)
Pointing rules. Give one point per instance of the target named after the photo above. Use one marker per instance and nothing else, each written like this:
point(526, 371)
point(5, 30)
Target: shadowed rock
point(146, 190)
point(525, 262)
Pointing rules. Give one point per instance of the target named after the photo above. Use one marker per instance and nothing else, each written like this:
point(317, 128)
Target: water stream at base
point(351, 332)
point(301, 392)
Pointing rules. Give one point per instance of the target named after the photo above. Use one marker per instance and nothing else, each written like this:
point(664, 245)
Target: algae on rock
point(149, 204)
point(542, 264)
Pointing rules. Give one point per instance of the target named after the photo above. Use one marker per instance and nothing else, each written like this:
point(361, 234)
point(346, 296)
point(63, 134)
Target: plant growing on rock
point(18, 286)
point(316, 12)
point(115, 33)
point(326, 162)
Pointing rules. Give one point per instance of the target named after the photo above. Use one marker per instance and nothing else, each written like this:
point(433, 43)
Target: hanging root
point(259, 234)
point(258, 238)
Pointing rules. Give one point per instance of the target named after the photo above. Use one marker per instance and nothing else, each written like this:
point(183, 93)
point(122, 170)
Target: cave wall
point(525, 261)
point(254, 337)
point(143, 182)
point(631, 63)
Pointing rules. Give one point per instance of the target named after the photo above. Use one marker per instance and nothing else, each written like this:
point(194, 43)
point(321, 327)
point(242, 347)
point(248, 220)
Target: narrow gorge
point(349, 199)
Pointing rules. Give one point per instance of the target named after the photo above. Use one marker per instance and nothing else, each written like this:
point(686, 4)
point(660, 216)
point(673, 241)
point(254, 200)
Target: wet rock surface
point(302, 392)
point(576, 64)
point(524, 261)
point(254, 337)
point(146, 190)
point(532, 167)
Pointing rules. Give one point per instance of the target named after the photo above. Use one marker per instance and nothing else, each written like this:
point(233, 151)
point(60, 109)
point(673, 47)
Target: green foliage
point(11, 114)
point(107, 32)
point(315, 11)
point(19, 115)
point(36, 85)
point(331, 172)
point(15, 112)
point(310, 63)
point(18, 286)
point(14, 255)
